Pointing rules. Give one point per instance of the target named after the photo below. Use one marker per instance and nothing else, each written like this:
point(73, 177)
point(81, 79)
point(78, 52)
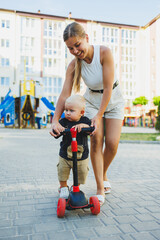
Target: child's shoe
point(63, 192)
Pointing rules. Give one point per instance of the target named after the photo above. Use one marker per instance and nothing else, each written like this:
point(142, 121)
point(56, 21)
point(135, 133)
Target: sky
point(132, 12)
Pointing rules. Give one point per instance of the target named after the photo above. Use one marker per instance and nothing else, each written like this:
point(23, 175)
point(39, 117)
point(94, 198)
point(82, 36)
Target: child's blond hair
point(78, 99)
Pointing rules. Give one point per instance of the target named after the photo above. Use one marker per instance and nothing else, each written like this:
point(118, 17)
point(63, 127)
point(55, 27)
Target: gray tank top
point(92, 73)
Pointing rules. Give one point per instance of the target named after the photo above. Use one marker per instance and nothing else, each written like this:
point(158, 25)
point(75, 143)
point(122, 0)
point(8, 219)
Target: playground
point(139, 118)
point(20, 111)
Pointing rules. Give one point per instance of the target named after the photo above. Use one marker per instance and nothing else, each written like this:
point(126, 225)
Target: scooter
point(77, 199)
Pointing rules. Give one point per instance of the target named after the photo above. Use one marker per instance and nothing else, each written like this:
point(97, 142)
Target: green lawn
point(139, 136)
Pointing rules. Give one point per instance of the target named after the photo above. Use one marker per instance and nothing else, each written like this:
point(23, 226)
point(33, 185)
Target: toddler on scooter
point(74, 118)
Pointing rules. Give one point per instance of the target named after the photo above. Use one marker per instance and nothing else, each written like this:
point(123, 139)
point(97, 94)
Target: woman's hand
point(95, 123)
point(57, 128)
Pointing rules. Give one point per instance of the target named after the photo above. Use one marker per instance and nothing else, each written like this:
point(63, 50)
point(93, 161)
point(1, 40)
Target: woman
point(104, 101)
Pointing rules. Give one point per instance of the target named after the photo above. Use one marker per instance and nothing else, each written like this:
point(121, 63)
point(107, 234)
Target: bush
point(157, 126)
point(156, 100)
point(140, 100)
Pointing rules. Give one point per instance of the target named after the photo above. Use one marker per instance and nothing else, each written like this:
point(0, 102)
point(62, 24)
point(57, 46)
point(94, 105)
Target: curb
point(139, 142)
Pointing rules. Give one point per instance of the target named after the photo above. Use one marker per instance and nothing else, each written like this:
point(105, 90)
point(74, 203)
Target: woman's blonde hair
point(75, 30)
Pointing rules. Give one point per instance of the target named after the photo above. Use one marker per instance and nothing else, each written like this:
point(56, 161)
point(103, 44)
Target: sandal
point(108, 186)
point(101, 199)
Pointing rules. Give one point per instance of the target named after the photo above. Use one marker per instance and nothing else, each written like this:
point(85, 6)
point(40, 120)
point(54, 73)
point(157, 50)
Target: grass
point(139, 136)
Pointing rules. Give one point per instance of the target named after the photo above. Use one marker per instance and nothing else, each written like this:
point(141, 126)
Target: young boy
point(74, 117)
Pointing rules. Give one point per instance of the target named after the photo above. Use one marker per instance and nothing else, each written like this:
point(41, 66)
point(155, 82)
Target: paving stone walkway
point(28, 192)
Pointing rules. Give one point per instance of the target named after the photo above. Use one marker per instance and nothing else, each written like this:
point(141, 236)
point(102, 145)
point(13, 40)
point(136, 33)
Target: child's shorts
point(64, 166)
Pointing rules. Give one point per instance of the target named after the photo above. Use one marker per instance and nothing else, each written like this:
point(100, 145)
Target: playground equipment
point(21, 111)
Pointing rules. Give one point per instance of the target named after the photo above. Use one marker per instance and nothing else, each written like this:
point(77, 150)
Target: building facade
point(32, 47)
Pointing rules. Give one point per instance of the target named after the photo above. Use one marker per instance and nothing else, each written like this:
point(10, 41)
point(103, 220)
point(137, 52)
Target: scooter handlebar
point(83, 130)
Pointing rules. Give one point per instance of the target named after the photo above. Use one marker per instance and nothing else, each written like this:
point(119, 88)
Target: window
point(32, 42)
point(49, 62)
point(27, 22)
point(2, 42)
point(49, 98)
point(32, 60)
point(57, 84)
point(45, 81)
point(55, 81)
point(7, 61)
point(45, 62)
point(50, 25)
point(32, 22)
point(2, 81)
point(50, 81)
point(2, 23)
point(55, 100)
point(122, 33)
point(7, 43)
point(7, 81)
point(55, 26)
point(26, 60)
point(59, 44)
point(5, 23)
point(110, 35)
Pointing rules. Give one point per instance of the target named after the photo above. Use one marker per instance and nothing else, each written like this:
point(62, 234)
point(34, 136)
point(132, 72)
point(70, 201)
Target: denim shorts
point(115, 108)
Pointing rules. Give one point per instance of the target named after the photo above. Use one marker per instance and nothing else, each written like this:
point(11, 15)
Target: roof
point(152, 21)
point(42, 15)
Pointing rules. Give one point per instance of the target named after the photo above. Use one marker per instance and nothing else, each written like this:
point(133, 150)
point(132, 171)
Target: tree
point(156, 100)
point(157, 126)
point(140, 100)
point(52, 103)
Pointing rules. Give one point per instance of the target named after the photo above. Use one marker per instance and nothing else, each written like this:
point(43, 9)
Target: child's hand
point(78, 127)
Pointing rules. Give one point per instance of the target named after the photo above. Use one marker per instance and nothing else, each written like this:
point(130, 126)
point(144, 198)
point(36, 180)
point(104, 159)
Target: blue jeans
point(38, 120)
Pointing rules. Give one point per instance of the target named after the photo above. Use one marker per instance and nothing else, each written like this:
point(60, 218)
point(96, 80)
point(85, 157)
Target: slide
point(47, 103)
point(50, 106)
point(7, 101)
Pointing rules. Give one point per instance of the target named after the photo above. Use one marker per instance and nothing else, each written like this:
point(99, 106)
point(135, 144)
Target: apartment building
point(32, 47)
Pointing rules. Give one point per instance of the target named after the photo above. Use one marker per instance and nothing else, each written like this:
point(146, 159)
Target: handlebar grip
point(89, 129)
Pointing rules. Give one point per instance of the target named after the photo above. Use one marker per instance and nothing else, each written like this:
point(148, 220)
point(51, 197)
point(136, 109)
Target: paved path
point(28, 192)
point(138, 130)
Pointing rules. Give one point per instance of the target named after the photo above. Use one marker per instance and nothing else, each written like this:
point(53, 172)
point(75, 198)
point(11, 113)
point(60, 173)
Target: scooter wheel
point(61, 206)
point(95, 209)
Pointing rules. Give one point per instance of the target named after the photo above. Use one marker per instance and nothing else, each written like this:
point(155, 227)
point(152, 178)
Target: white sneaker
point(64, 192)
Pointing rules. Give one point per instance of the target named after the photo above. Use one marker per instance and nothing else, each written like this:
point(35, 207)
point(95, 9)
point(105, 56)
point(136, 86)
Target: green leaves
point(140, 100)
point(156, 100)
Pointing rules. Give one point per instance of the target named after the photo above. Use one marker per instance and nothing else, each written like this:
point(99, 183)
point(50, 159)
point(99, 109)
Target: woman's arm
point(66, 92)
point(106, 59)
